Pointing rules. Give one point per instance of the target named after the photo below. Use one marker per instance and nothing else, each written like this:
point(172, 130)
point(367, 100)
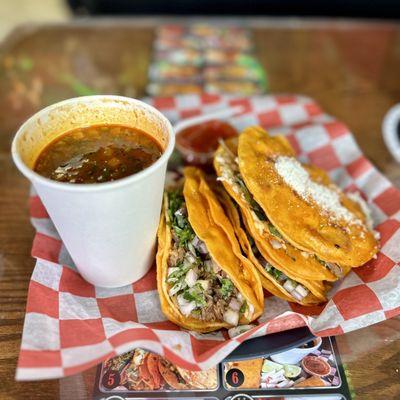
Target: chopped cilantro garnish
point(185, 235)
point(195, 294)
point(179, 222)
point(322, 262)
point(250, 239)
point(275, 273)
point(226, 287)
point(177, 275)
point(243, 307)
point(249, 198)
point(274, 231)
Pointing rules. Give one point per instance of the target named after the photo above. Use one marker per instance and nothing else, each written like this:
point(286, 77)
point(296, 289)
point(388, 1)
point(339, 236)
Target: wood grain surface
point(351, 69)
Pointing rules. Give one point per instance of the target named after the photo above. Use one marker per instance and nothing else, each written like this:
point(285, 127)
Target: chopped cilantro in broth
point(97, 154)
point(198, 285)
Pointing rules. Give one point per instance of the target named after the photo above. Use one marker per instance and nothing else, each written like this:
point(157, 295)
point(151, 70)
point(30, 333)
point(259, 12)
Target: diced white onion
point(283, 384)
point(208, 264)
point(205, 284)
point(259, 225)
point(276, 376)
point(196, 241)
point(171, 270)
point(289, 285)
point(192, 249)
point(335, 269)
point(175, 289)
point(240, 297)
point(264, 263)
point(251, 308)
point(191, 277)
point(276, 244)
point(305, 254)
point(216, 267)
point(297, 295)
point(238, 330)
point(186, 307)
point(178, 212)
point(302, 290)
point(283, 277)
point(231, 317)
point(235, 304)
point(267, 385)
point(202, 248)
point(199, 245)
point(190, 258)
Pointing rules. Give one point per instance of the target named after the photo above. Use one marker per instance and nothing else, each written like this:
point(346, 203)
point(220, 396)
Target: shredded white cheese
point(356, 197)
point(325, 197)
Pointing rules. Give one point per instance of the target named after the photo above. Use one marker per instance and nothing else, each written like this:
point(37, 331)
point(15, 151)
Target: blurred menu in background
point(204, 58)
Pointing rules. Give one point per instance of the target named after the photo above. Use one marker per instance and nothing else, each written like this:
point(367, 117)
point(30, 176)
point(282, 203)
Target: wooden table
point(351, 69)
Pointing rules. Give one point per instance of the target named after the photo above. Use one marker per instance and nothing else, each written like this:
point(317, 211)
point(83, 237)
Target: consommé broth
point(97, 154)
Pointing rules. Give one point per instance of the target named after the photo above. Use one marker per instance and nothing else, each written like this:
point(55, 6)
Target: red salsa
point(203, 138)
point(316, 366)
point(97, 154)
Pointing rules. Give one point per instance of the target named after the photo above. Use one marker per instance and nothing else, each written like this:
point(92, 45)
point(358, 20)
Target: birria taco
point(307, 209)
point(272, 279)
point(284, 271)
point(287, 270)
point(204, 281)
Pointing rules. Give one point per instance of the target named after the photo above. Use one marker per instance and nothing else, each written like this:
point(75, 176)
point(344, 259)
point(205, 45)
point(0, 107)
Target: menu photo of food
point(312, 365)
point(216, 59)
point(141, 371)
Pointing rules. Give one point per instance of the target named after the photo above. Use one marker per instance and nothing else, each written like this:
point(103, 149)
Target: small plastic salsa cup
point(198, 143)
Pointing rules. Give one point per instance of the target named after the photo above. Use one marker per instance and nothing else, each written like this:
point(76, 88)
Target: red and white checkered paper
point(71, 325)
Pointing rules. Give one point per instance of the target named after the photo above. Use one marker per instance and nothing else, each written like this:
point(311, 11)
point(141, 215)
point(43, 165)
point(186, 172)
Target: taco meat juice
point(97, 154)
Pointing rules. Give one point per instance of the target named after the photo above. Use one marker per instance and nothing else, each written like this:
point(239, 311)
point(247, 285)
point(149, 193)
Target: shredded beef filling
point(197, 284)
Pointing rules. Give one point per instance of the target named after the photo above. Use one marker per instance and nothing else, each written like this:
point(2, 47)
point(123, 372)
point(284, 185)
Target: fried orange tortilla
point(269, 282)
point(339, 235)
point(297, 265)
point(279, 252)
point(251, 370)
point(235, 273)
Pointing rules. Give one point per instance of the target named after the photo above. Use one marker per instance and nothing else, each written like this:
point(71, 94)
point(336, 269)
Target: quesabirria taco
point(288, 271)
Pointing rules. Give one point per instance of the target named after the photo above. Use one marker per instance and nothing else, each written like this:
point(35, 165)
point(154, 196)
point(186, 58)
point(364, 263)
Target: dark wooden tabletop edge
point(250, 21)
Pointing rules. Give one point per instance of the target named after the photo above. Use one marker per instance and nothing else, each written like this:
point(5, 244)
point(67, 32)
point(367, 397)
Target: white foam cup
point(108, 228)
